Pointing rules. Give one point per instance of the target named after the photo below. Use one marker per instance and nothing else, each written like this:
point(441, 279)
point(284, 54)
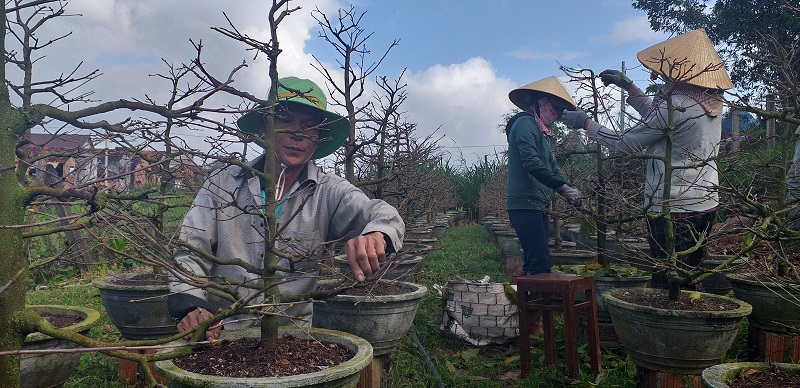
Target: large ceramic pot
point(52, 370)
point(573, 257)
point(439, 228)
point(345, 374)
point(674, 341)
point(383, 320)
point(717, 283)
point(603, 284)
point(508, 242)
point(776, 306)
point(137, 309)
point(721, 375)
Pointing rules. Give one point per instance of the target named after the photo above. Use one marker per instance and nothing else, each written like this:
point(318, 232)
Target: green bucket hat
point(306, 92)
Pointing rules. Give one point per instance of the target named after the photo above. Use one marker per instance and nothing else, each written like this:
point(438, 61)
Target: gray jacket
point(320, 208)
point(695, 146)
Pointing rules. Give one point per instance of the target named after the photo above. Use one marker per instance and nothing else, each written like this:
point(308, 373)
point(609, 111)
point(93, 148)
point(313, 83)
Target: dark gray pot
point(776, 306)
point(606, 284)
point(138, 311)
point(573, 257)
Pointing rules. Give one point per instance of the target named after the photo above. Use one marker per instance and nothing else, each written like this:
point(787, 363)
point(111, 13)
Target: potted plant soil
point(52, 370)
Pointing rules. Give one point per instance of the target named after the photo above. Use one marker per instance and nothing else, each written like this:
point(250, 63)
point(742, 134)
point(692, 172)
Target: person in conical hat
point(694, 79)
point(532, 171)
point(312, 209)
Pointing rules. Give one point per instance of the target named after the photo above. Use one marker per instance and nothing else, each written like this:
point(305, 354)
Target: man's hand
point(365, 254)
point(194, 319)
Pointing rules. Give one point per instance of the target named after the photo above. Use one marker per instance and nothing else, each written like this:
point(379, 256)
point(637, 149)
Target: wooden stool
point(130, 371)
point(548, 292)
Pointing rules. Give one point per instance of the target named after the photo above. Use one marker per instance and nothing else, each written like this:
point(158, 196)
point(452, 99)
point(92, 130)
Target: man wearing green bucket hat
point(313, 208)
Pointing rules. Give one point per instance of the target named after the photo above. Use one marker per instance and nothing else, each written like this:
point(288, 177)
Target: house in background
point(76, 161)
point(55, 159)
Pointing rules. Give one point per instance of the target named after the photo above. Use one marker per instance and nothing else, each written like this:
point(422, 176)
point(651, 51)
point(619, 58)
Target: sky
point(460, 57)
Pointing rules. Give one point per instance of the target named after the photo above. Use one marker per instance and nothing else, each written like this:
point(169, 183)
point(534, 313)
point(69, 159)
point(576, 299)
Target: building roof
point(62, 141)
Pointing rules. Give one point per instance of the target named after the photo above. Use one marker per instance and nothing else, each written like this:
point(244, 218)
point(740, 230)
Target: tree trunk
point(13, 203)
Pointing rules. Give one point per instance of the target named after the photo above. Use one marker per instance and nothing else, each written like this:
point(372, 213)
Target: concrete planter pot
point(719, 376)
point(345, 374)
point(674, 341)
point(718, 282)
point(776, 306)
point(52, 370)
point(603, 284)
point(573, 257)
point(508, 242)
point(138, 311)
point(438, 229)
point(382, 320)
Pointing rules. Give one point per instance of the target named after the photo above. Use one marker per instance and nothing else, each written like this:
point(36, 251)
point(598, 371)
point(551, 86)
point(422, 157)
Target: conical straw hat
point(689, 58)
point(549, 85)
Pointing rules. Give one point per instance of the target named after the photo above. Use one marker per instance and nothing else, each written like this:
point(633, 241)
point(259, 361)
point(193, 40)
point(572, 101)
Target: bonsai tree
point(758, 179)
point(145, 238)
point(680, 175)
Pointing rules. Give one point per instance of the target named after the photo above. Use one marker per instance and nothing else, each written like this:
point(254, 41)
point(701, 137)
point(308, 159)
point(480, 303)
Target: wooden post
point(736, 119)
point(771, 123)
point(376, 374)
point(767, 346)
point(648, 378)
point(129, 371)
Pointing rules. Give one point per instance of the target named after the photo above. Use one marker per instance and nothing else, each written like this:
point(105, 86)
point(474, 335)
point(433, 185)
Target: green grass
point(465, 252)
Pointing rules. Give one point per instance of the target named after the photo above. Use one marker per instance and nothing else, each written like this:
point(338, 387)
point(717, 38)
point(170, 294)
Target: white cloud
point(635, 29)
point(467, 100)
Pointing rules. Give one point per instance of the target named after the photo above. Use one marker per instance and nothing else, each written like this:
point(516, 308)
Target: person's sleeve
point(197, 230)
point(639, 101)
point(357, 214)
point(635, 139)
point(523, 134)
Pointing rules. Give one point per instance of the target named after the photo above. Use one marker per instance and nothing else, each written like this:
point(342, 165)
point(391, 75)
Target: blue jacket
point(532, 170)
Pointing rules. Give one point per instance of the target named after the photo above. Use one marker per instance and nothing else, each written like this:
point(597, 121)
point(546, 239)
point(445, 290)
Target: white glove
point(571, 195)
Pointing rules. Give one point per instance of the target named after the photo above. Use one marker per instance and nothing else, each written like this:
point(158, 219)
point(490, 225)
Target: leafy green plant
point(604, 271)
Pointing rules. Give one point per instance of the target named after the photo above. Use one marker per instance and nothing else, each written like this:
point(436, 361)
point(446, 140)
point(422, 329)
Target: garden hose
point(424, 355)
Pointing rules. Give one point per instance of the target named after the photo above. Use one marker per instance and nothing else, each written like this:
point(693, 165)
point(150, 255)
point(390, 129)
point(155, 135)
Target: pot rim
point(718, 376)
point(104, 283)
point(91, 318)
point(358, 362)
point(610, 298)
point(418, 292)
point(735, 277)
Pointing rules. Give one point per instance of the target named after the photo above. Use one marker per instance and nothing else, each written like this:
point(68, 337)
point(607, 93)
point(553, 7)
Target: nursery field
point(426, 357)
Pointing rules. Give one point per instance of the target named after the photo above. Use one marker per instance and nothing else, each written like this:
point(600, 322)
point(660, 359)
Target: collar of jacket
point(311, 172)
